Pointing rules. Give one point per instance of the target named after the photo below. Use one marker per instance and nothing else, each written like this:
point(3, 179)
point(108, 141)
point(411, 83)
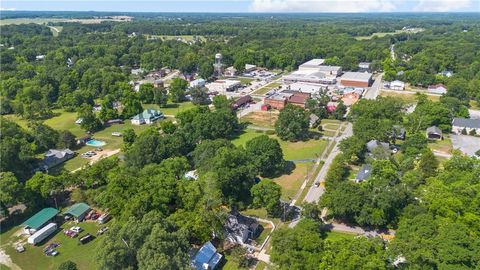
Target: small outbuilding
point(39, 220)
point(434, 133)
point(206, 258)
point(78, 211)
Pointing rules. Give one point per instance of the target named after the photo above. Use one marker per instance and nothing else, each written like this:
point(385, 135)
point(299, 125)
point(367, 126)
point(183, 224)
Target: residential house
point(459, 124)
point(437, 89)
point(356, 79)
point(397, 85)
point(242, 102)
point(39, 220)
point(148, 116)
point(434, 133)
point(371, 145)
point(78, 211)
point(54, 157)
point(158, 83)
point(364, 66)
point(137, 71)
point(364, 172)
point(398, 132)
point(207, 258)
point(197, 83)
point(446, 73)
point(40, 57)
point(239, 229)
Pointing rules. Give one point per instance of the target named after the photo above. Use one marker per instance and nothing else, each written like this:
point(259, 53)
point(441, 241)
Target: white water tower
point(218, 66)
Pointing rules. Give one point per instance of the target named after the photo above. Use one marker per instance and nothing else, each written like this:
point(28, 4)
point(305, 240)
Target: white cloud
point(7, 9)
point(322, 6)
point(447, 5)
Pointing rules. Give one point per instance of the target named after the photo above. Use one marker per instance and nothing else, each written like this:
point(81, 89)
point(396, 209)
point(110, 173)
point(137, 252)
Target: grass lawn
point(408, 98)
point(291, 150)
point(245, 136)
point(263, 90)
point(261, 266)
point(171, 108)
point(245, 80)
point(33, 258)
point(184, 37)
point(292, 182)
point(3, 267)
point(261, 119)
point(474, 105)
point(336, 236)
point(444, 145)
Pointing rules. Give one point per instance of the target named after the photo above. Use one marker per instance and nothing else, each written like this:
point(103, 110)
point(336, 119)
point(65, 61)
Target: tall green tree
point(292, 123)
point(177, 90)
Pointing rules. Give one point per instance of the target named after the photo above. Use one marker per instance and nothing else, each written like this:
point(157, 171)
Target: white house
point(468, 124)
point(250, 68)
point(397, 85)
point(197, 83)
point(148, 116)
point(437, 89)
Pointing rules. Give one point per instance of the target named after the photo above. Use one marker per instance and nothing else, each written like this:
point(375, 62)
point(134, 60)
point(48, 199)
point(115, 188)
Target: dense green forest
point(159, 214)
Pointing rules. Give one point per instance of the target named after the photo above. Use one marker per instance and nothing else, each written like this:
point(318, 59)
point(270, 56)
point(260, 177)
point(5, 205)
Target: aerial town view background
point(247, 140)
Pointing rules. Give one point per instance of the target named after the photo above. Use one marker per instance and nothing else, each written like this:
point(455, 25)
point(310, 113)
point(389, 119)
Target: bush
point(270, 132)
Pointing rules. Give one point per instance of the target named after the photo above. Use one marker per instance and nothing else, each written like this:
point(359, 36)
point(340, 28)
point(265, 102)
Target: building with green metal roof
point(78, 211)
point(40, 219)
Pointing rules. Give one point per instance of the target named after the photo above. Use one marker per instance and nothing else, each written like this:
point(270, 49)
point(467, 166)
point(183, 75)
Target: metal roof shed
point(41, 218)
point(78, 210)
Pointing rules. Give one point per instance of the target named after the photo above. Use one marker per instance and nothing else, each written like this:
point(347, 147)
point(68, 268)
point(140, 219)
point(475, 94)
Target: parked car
point(85, 239)
point(102, 230)
point(70, 233)
point(317, 184)
point(104, 218)
point(76, 229)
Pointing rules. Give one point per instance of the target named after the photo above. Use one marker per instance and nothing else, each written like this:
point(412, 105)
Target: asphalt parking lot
point(467, 144)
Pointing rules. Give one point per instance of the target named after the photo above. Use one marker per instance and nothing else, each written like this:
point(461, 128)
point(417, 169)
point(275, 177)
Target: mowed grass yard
point(172, 108)
point(69, 249)
point(310, 149)
point(263, 90)
point(407, 97)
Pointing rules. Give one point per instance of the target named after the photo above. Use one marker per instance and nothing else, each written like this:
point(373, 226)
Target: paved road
point(374, 91)
point(252, 108)
point(315, 193)
point(474, 113)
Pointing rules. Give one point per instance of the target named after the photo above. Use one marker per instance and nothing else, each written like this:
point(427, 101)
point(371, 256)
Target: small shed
point(434, 133)
point(78, 211)
point(39, 220)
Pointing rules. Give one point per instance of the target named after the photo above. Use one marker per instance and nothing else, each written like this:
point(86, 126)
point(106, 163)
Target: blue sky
point(248, 5)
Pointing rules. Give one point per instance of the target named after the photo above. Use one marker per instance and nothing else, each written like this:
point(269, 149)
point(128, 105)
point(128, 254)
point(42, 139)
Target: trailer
point(41, 234)
point(104, 218)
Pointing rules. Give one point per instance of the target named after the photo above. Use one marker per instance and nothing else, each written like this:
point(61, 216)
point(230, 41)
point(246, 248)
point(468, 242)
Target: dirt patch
point(261, 119)
point(103, 154)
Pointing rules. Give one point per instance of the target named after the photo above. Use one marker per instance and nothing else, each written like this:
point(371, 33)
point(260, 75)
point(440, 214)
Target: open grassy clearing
point(171, 108)
point(70, 249)
point(261, 118)
point(444, 145)
point(291, 150)
point(474, 105)
point(292, 182)
point(383, 34)
point(263, 90)
point(336, 236)
point(407, 97)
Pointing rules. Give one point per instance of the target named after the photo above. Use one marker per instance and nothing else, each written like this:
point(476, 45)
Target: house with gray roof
point(148, 116)
point(239, 229)
point(207, 258)
point(364, 173)
point(459, 124)
point(371, 145)
point(54, 157)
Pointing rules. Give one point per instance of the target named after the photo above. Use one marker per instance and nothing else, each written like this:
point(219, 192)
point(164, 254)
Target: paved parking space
point(467, 144)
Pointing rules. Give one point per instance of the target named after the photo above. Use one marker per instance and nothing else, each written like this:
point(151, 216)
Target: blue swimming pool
point(96, 143)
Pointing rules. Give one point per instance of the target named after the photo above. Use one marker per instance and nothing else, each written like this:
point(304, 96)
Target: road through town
point(374, 90)
point(315, 193)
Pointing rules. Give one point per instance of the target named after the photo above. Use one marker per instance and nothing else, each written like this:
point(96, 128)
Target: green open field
point(407, 97)
point(171, 108)
point(70, 249)
point(263, 90)
point(383, 34)
point(444, 145)
point(291, 150)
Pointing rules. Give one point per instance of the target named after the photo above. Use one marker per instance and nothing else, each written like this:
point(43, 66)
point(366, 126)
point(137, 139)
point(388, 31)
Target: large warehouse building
point(356, 79)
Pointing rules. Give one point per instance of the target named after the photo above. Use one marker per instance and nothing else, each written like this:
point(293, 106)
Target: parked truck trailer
point(41, 234)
